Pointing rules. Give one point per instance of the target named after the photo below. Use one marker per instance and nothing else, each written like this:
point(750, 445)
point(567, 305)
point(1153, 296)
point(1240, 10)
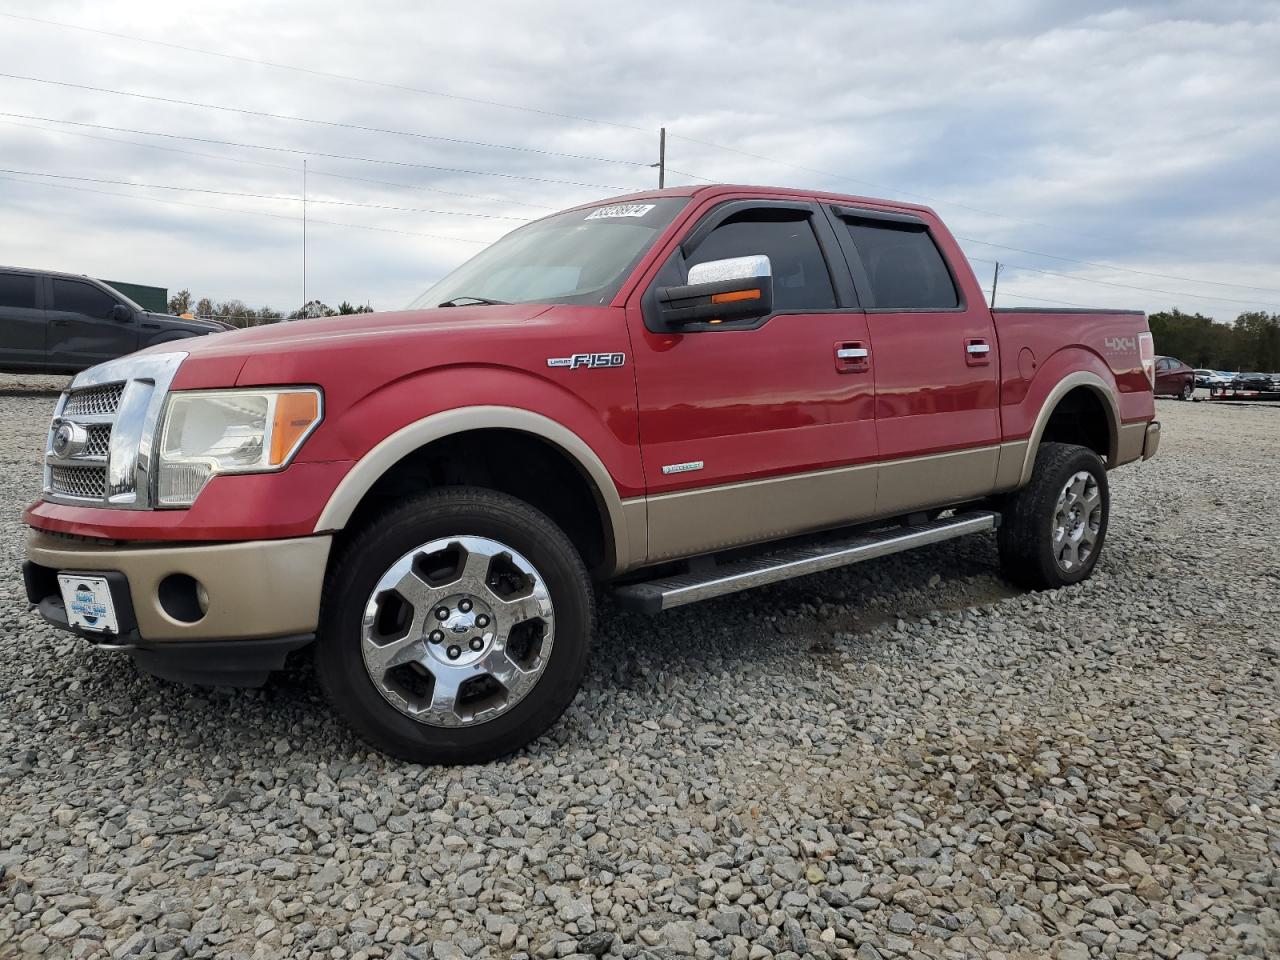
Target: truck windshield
point(581, 256)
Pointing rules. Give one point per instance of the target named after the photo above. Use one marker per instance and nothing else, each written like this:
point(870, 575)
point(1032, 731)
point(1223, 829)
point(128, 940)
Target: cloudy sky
point(1142, 139)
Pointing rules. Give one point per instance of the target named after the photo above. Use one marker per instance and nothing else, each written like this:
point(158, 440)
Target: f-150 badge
point(591, 360)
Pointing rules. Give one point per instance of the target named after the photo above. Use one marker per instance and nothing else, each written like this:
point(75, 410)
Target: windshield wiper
point(482, 301)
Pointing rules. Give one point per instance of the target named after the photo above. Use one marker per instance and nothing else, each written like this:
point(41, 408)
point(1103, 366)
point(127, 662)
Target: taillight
point(1147, 351)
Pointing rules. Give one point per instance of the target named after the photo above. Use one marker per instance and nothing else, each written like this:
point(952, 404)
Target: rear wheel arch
point(517, 452)
point(1081, 409)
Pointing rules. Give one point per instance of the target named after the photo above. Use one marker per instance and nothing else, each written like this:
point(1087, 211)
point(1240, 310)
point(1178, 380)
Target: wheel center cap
point(461, 632)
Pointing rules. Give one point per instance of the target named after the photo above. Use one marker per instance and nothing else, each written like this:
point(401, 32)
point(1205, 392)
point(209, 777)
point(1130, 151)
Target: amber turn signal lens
point(295, 414)
point(735, 296)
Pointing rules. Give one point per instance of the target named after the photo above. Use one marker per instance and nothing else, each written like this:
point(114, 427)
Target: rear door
point(755, 429)
point(934, 358)
point(22, 320)
point(82, 331)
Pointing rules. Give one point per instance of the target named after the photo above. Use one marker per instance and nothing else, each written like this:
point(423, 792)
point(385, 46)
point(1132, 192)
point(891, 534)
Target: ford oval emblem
point(69, 439)
point(62, 439)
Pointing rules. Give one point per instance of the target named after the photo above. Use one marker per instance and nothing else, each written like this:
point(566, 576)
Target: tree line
point(1250, 344)
point(239, 314)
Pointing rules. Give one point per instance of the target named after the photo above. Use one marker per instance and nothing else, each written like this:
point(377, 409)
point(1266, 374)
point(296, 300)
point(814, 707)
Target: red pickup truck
point(672, 396)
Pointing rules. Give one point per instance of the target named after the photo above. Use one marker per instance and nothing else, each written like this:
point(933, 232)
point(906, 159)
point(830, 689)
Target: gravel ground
point(906, 758)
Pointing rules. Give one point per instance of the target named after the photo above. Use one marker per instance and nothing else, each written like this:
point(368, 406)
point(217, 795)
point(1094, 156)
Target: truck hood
point(342, 332)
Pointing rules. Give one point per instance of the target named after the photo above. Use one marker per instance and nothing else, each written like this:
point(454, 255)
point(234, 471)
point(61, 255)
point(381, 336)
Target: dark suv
point(60, 323)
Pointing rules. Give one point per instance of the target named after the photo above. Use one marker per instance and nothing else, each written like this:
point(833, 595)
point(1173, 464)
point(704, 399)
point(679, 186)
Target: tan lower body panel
point(1132, 441)
point(715, 518)
point(936, 480)
point(691, 522)
point(261, 588)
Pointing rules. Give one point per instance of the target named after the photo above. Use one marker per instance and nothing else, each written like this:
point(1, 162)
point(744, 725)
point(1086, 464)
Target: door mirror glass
point(734, 268)
point(121, 313)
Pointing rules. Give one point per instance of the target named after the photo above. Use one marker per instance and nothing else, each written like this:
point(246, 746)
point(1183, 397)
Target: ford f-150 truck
point(670, 396)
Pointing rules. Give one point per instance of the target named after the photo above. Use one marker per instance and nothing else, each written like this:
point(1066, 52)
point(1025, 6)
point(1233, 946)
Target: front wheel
point(1053, 528)
point(456, 627)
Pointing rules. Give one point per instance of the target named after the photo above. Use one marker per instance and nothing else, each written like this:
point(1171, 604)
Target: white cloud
point(1142, 136)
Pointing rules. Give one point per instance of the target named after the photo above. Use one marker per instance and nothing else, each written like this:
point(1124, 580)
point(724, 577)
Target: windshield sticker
point(620, 210)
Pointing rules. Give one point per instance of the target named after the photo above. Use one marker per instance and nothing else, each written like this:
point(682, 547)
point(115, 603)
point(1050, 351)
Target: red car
point(670, 396)
point(1174, 379)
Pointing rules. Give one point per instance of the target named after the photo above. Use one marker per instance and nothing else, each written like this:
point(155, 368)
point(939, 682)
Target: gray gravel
point(907, 758)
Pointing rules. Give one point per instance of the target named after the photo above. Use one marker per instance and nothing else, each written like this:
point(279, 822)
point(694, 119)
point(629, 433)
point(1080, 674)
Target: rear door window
point(17, 291)
point(801, 280)
point(74, 296)
point(903, 266)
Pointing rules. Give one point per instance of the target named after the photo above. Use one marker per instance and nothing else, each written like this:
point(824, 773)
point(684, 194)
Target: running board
point(655, 596)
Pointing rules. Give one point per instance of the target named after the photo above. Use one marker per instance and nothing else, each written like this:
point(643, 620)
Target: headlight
point(208, 432)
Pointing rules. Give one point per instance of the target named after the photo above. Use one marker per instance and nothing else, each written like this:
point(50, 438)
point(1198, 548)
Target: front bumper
point(254, 589)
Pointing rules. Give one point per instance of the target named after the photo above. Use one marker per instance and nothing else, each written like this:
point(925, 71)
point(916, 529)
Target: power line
point(298, 151)
point(1064, 303)
point(334, 124)
point(1112, 266)
point(260, 196)
point(1130, 286)
point(979, 210)
point(256, 163)
point(594, 120)
point(250, 213)
point(326, 74)
point(874, 186)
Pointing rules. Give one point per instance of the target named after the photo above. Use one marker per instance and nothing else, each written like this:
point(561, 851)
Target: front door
point(755, 429)
point(82, 330)
point(935, 360)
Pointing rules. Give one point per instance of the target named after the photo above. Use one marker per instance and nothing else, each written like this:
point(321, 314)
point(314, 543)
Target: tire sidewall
point(339, 654)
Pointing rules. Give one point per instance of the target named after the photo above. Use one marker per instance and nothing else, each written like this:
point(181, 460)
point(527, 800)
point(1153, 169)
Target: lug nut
point(437, 636)
point(442, 613)
point(482, 621)
point(465, 606)
point(454, 652)
point(477, 643)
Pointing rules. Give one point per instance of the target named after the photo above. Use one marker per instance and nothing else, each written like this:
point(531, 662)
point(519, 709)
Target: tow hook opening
point(183, 598)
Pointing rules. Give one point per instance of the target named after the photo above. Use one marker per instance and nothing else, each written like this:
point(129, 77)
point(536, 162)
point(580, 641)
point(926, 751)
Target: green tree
point(180, 302)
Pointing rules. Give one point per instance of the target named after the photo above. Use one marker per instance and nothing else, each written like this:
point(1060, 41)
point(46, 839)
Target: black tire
point(356, 571)
point(1188, 391)
point(1028, 556)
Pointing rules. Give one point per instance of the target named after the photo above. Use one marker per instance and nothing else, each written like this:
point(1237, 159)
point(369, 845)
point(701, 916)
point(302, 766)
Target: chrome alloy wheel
point(458, 631)
point(1076, 521)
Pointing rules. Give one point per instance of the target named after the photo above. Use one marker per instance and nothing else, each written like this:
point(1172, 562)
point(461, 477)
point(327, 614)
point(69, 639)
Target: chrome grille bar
point(108, 418)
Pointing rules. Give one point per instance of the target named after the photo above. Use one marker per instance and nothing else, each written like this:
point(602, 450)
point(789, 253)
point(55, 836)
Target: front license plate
point(88, 603)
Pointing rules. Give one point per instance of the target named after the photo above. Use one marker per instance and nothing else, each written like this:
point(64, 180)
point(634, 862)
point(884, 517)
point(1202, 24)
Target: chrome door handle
point(978, 348)
point(852, 353)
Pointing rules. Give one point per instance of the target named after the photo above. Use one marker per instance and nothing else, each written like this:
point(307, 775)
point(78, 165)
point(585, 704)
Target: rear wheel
point(1188, 389)
point(456, 627)
point(1054, 527)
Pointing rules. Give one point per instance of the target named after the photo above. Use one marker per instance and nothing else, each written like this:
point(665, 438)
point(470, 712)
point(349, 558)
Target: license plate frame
point(89, 603)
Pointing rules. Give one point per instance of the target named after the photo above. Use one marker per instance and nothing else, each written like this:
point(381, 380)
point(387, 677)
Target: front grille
point(113, 408)
point(99, 440)
point(87, 483)
point(94, 401)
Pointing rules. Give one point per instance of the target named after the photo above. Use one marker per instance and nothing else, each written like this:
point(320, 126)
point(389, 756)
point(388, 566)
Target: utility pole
point(995, 281)
point(304, 236)
point(662, 157)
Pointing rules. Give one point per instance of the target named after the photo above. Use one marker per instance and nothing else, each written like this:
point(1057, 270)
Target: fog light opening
point(183, 598)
